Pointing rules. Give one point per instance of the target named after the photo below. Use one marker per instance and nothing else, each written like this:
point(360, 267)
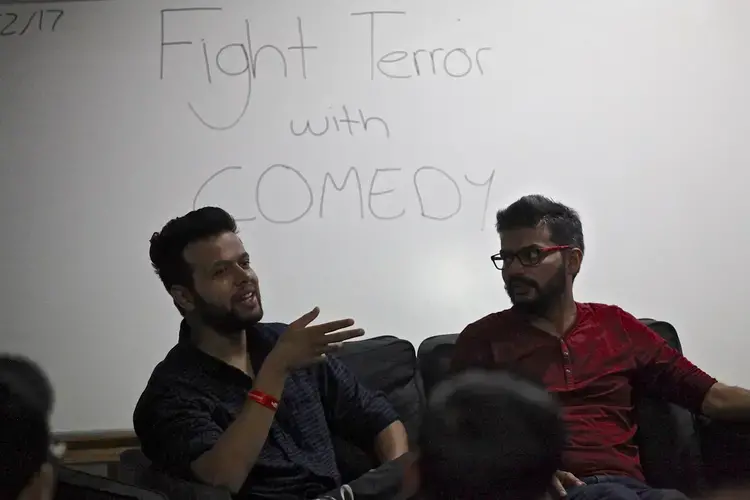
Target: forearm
point(727, 403)
point(391, 442)
point(233, 456)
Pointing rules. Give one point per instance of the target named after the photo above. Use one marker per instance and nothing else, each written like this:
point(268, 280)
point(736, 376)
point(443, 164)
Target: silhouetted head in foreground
point(205, 268)
point(26, 398)
point(489, 436)
point(541, 250)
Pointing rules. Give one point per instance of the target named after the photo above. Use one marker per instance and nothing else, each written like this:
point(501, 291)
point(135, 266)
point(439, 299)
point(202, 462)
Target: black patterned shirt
point(192, 398)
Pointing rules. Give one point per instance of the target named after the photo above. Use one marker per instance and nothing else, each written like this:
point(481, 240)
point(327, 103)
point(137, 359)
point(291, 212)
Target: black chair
point(678, 449)
point(77, 485)
point(434, 358)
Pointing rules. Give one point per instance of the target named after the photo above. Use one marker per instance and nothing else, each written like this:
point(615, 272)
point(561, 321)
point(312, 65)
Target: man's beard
point(225, 322)
point(545, 296)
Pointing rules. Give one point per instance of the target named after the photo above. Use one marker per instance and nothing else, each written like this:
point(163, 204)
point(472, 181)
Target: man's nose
point(514, 267)
point(242, 276)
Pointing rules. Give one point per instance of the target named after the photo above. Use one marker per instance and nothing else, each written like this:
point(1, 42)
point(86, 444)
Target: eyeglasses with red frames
point(528, 256)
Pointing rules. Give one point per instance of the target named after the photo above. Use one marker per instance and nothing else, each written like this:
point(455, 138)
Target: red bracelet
point(264, 399)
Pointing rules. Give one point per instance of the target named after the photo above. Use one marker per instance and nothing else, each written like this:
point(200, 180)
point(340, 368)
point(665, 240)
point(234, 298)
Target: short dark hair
point(26, 400)
point(168, 245)
point(489, 435)
point(563, 223)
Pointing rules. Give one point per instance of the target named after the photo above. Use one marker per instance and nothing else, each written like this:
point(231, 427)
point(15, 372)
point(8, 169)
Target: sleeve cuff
point(383, 414)
point(701, 384)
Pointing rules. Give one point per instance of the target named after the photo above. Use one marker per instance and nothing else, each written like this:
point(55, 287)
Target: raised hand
point(302, 344)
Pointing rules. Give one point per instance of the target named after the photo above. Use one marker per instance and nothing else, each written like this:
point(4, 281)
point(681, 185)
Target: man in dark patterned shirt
point(246, 405)
point(590, 355)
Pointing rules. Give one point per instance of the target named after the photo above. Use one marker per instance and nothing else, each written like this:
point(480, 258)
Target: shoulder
point(618, 324)
point(174, 385)
point(493, 324)
point(179, 365)
point(606, 312)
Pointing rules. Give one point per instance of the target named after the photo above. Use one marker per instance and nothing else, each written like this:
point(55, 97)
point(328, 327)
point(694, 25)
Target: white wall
point(634, 112)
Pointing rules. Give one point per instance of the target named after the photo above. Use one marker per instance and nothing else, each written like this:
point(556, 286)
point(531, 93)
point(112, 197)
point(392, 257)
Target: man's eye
point(529, 254)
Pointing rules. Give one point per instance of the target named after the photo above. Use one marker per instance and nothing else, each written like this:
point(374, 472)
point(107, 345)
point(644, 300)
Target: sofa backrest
point(434, 358)
point(667, 437)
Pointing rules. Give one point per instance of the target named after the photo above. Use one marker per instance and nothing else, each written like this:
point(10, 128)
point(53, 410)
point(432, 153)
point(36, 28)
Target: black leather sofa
point(678, 449)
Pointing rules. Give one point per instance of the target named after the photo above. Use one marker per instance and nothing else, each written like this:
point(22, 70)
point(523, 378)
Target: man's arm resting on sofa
point(727, 403)
point(391, 442)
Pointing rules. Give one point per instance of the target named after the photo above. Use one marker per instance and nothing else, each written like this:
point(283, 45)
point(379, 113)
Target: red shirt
point(592, 369)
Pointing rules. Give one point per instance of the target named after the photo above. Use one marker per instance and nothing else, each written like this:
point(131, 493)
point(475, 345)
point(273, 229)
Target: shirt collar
point(260, 339)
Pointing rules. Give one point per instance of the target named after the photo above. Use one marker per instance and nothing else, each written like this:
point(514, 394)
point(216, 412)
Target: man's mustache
point(522, 281)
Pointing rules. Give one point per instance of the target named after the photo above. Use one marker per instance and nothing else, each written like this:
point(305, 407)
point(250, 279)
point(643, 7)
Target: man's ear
point(575, 259)
point(183, 298)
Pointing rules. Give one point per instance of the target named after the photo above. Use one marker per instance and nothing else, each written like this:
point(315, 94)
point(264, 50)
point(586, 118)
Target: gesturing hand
point(301, 344)
point(564, 480)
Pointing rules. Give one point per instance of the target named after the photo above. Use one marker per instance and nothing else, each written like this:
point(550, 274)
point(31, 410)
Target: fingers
point(334, 338)
point(305, 319)
point(335, 344)
point(331, 326)
point(559, 488)
point(333, 347)
point(568, 479)
point(322, 333)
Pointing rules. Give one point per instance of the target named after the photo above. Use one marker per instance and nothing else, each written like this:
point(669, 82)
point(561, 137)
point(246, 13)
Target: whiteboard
point(425, 117)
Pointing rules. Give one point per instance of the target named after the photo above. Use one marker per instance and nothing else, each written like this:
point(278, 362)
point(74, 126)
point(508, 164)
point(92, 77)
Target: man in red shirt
point(590, 355)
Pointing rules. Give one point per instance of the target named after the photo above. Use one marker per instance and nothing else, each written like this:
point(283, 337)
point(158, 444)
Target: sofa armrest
point(172, 487)
point(175, 487)
point(669, 445)
point(76, 485)
point(726, 451)
point(136, 469)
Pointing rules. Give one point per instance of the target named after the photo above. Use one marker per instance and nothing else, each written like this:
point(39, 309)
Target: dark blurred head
point(489, 436)
point(26, 400)
point(206, 269)
point(541, 249)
